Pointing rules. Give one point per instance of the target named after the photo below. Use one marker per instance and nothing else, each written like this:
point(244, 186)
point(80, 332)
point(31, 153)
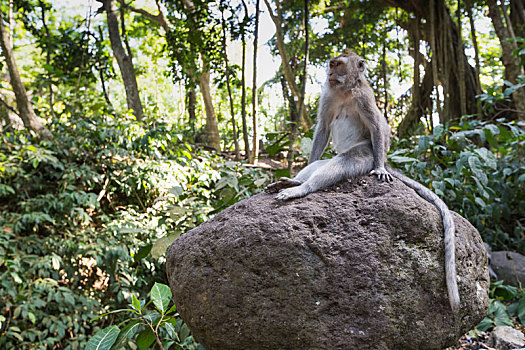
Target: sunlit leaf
point(104, 339)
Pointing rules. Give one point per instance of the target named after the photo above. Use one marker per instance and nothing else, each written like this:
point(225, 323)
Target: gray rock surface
point(506, 338)
point(358, 266)
point(509, 266)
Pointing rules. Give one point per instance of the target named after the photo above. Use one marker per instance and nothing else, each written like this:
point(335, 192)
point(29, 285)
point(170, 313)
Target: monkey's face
point(345, 71)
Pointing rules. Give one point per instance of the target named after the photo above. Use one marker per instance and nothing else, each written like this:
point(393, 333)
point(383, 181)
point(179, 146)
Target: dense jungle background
point(126, 123)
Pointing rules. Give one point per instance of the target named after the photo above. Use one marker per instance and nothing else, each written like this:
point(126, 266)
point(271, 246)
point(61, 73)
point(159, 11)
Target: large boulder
point(357, 266)
point(509, 266)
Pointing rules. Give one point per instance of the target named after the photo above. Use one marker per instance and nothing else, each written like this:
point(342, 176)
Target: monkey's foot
point(382, 174)
point(284, 182)
point(293, 192)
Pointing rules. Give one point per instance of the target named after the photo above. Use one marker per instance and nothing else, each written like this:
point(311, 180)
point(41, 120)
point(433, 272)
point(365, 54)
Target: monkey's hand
point(382, 174)
point(283, 182)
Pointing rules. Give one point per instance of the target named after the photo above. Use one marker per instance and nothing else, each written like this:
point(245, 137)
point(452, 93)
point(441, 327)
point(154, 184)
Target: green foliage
point(477, 168)
point(147, 325)
point(87, 217)
point(506, 307)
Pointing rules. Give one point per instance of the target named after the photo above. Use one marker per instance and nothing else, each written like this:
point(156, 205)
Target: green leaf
point(402, 159)
point(31, 317)
point(501, 317)
point(521, 310)
point(161, 245)
point(282, 173)
point(475, 166)
point(143, 252)
point(161, 296)
point(485, 324)
point(423, 142)
point(171, 329)
point(438, 131)
point(176, 191)
point(135, 303)
point(104, 339)
point(184, 332)
point(145, 339)
point(126, 333)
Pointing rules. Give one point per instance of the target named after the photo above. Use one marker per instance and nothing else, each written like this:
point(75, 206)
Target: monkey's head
point(346, 71)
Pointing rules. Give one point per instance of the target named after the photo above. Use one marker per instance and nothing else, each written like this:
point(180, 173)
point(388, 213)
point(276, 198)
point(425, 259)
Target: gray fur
point(348, 111)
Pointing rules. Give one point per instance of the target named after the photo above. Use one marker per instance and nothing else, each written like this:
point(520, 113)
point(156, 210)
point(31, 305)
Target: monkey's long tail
point(448, 224)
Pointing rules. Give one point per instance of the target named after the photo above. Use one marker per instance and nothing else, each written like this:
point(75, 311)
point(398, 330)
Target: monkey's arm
point(372, 119)
point(321, 135)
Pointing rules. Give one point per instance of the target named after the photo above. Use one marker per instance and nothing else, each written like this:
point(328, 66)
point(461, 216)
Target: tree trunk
point(434, 62)
point(285, 62)
point(461, 67)
point(243, 85)
point(413, 117)
point(48, 57)
point(25, 110)
point(212, 130)
point(295, 121)
point(442, 34)
point(124, 61)
point(384, 76)
point(512, 67)
point(227, 66)
point(255, 139)
point(476, 55)
point(517, 16)
point(101, 73)
point(191, 102)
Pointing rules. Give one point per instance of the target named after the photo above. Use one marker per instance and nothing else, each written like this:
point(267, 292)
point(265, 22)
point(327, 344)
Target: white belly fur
point(347, 132)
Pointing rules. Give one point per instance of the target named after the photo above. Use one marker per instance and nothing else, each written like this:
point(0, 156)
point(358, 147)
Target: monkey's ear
point(361, 65)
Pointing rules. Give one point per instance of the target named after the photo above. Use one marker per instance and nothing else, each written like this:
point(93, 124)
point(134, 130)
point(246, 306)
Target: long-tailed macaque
point(361, 136)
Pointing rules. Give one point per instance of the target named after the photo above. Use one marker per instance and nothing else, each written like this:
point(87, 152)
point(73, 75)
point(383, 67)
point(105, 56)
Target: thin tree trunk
point(517, 16)
point(192, 101)
point(123, 32)
point(255, 139)
point(227, 66)
point(285, 62)
point(25, 110)
point(414, 113)
point(212, 129)
point(101, 73)
point(512, 66)
point(433, 48)
point(384, 74)
point(124, 60)
point(446, 47)
point(476, 55)
point(48, 57)
point(461, 66)
point(416, 98)
point(243, 85)
point(295, 122)
point(508, 22)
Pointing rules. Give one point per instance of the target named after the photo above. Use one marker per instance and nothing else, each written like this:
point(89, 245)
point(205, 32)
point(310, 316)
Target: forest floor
point(468, 343)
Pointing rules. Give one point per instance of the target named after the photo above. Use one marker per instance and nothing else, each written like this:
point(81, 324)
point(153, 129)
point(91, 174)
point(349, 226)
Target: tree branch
point(159, 18)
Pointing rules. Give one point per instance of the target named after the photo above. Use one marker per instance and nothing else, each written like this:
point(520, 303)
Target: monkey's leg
point(343, 166)
point(302, 176)
point(284, 182)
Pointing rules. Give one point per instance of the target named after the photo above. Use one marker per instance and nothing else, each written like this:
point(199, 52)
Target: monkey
point(361, 138)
